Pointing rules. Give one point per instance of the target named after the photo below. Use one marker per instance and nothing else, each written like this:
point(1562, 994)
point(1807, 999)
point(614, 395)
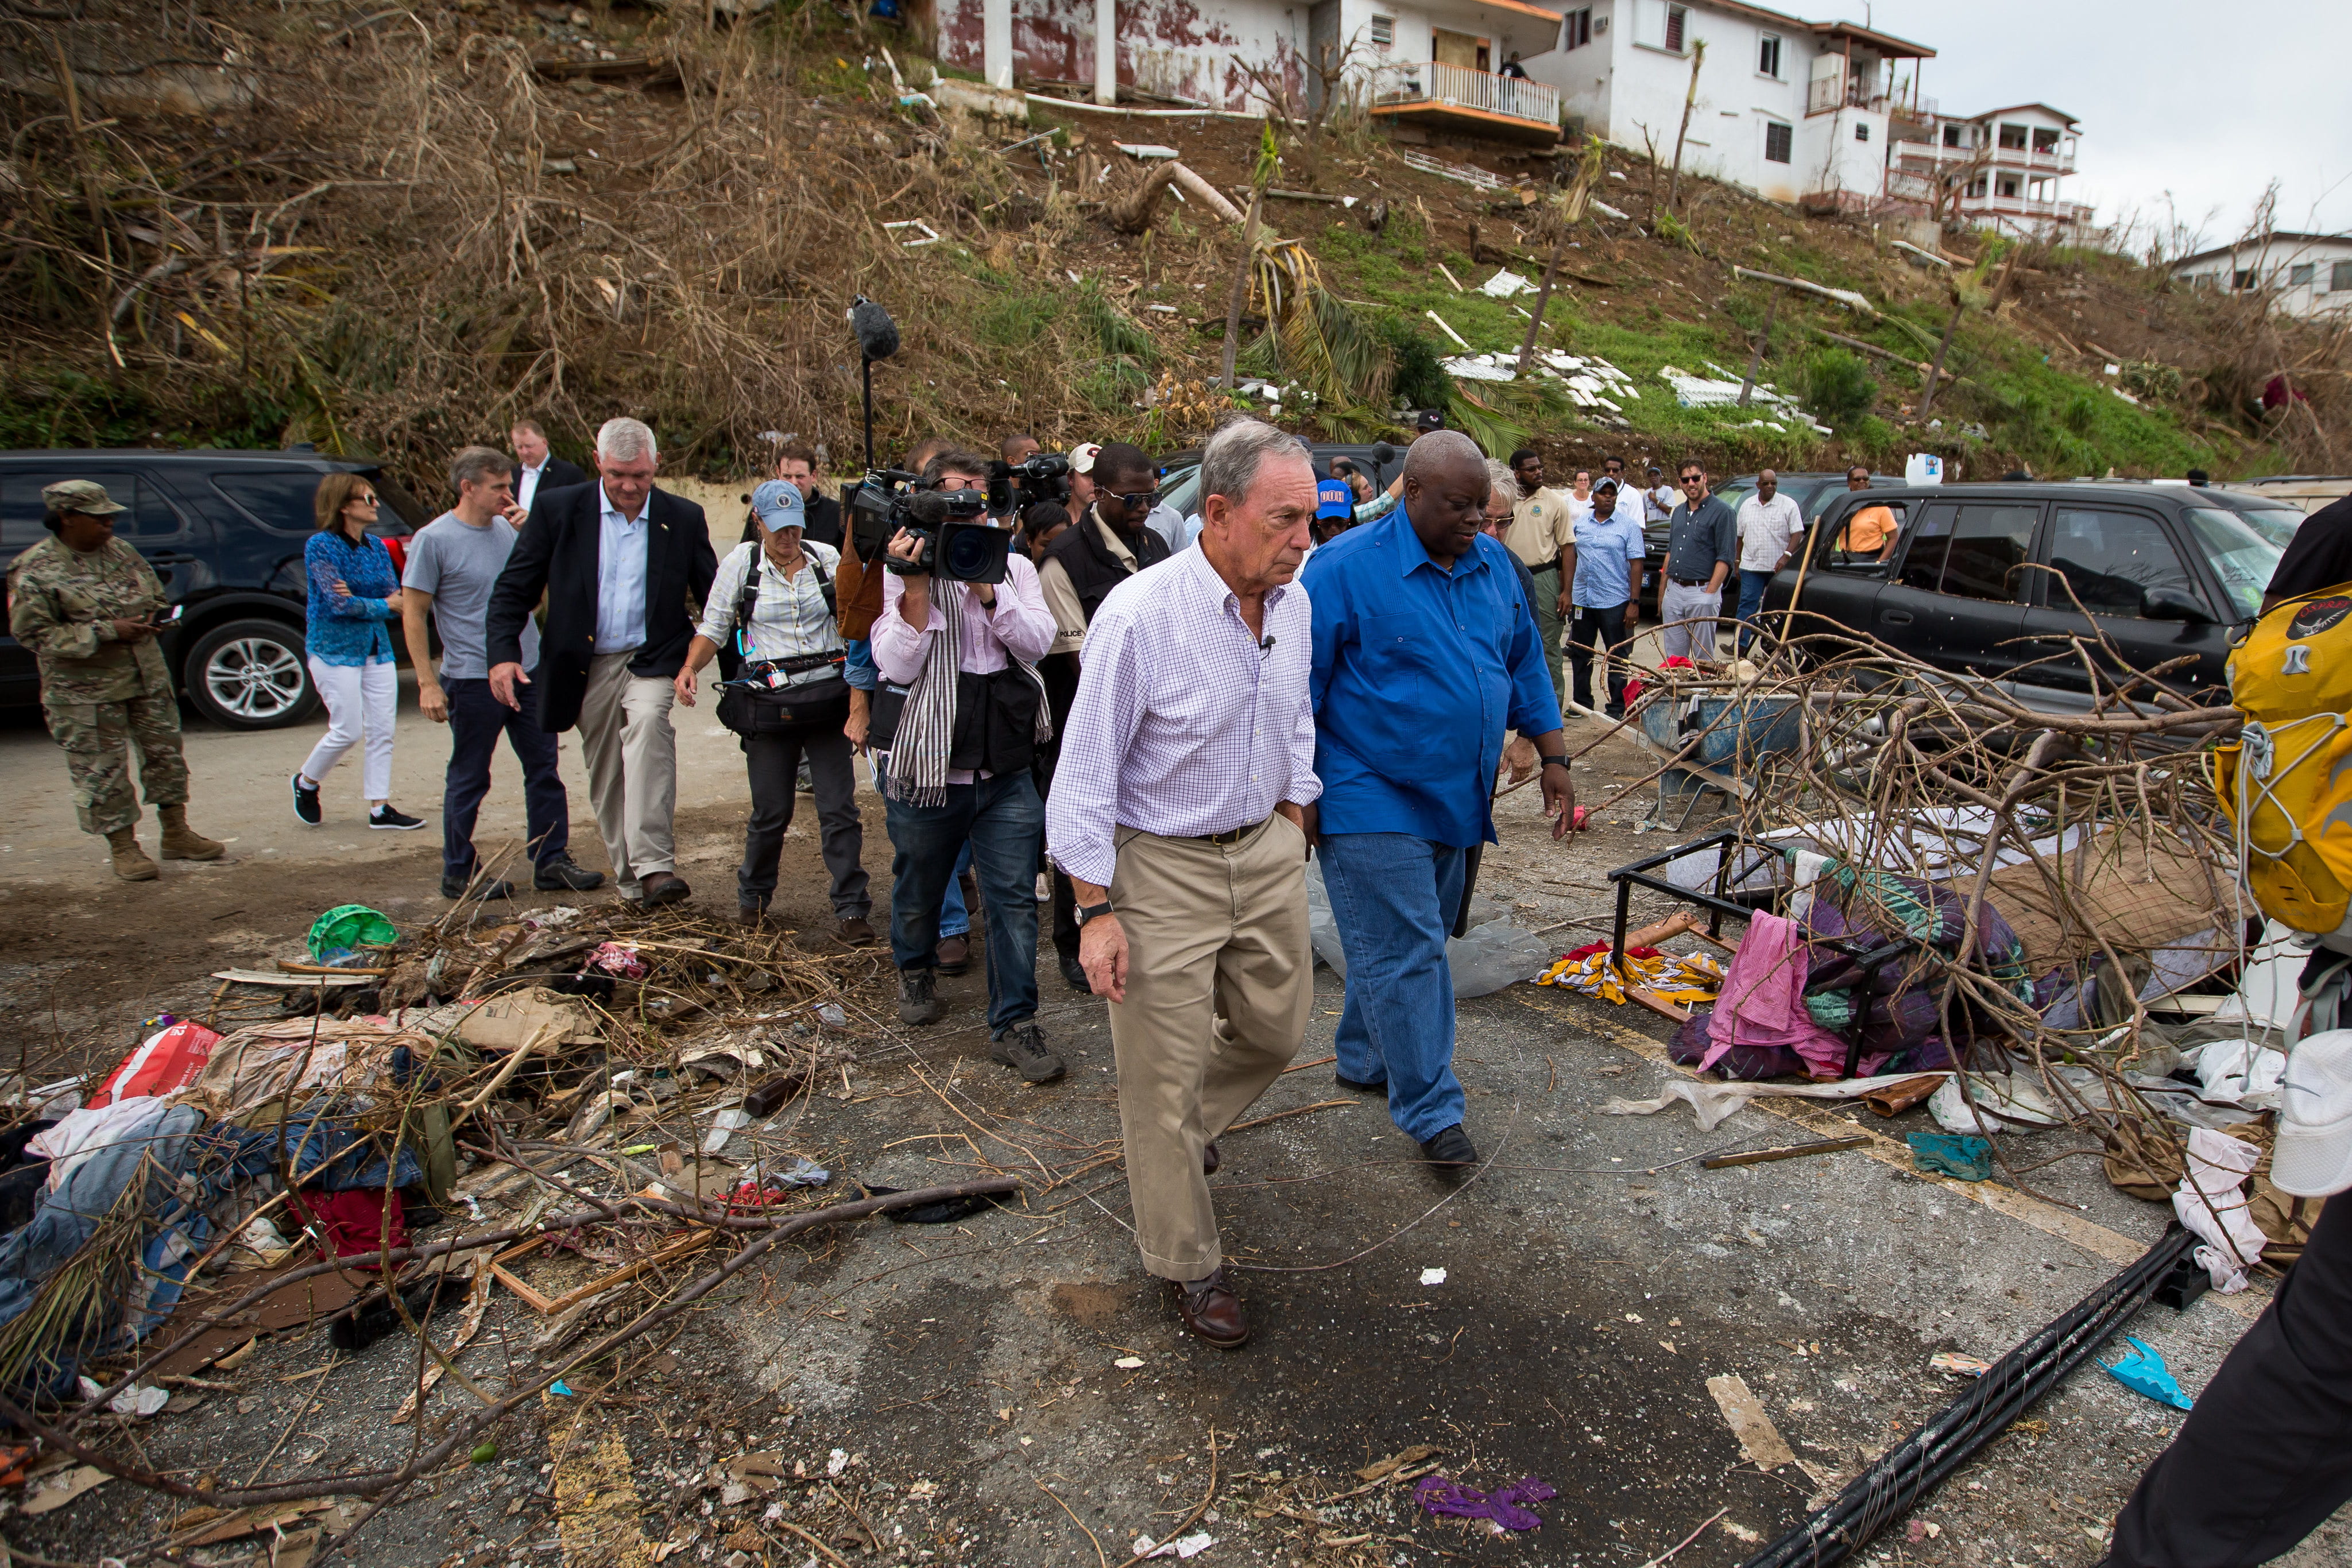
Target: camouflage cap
point(87, 497)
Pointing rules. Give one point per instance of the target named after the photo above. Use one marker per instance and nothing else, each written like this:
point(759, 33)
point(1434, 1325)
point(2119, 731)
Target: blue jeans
point(477, 719)
point(1751, 602)
point(955, 920)
point(1003, 822)
point(1395, 897)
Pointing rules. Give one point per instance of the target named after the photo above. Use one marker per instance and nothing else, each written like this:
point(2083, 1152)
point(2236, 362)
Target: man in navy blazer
point(537, 472)
point(624, 568)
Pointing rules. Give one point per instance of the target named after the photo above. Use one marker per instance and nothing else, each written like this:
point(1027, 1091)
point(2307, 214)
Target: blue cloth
point(1417, 673)
point(1606, 551)
point(477, 719)
point(955, 919)
point(348, 630)
point(621, 550)
point(1005, 823)
point(1394, 897)
point(1751, 602)
point(860, 670)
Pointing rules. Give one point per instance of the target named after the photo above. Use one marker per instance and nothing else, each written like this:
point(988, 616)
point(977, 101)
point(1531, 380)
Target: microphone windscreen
point(877, 335)
point(927, 509)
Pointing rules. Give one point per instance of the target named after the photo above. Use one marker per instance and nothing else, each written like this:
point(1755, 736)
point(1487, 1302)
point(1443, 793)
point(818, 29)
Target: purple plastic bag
point(1440, 1495)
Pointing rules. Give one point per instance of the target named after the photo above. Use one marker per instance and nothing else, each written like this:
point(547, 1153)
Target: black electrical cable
point(1905, 1475)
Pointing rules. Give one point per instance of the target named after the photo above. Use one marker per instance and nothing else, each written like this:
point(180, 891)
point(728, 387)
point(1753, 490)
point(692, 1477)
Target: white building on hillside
point(1825, 114)
point(2000, 169)
point(2306, 274)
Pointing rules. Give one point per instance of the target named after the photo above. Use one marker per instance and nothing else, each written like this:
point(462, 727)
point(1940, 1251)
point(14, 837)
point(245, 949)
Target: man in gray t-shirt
point(453, 562)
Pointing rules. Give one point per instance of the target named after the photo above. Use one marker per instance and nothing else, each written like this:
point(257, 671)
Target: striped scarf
point(918, 753)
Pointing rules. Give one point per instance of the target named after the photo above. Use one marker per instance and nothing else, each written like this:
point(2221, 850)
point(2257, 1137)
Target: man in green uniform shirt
point(87, 606)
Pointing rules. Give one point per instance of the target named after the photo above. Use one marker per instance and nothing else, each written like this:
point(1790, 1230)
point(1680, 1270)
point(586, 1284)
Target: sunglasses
point(361, 501)
point(1140, 501)
point(1693, 478)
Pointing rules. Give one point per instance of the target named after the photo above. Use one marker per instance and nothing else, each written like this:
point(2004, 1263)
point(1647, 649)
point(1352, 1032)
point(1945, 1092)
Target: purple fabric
point(1440, 1495)
point(1763, 1001)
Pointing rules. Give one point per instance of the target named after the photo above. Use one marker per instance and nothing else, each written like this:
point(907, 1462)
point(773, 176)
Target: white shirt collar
point(614, 512)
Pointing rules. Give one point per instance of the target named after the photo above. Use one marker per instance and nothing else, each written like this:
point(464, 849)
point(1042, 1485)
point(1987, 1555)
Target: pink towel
point(1763, 1001)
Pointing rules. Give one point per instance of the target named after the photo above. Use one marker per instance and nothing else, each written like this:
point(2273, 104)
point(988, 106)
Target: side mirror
point(2174, 604)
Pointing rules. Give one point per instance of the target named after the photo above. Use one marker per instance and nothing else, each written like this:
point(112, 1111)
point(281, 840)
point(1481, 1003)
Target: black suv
point(1980, 575)
point(225, 530)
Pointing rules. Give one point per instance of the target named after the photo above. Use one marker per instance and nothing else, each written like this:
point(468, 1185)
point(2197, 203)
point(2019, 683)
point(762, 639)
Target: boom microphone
point(877, 335)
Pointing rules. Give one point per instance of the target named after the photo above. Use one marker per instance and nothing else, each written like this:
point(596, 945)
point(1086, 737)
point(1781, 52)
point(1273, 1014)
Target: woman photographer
point(789, 702)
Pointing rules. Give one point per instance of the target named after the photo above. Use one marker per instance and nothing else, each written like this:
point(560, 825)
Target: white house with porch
point(1999, 170)
point(2304, 274)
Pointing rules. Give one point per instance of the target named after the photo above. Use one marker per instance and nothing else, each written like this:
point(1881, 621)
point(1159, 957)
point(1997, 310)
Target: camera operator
point(950, 645)
point(1107, 546)
point(779, 596)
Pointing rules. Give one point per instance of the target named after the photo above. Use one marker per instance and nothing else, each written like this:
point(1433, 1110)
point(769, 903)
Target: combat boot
point(183, 842)
point(131, 861)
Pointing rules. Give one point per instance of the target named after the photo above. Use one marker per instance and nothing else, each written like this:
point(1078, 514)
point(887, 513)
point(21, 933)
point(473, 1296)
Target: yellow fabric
point(1684, 981)
point(2287, 780)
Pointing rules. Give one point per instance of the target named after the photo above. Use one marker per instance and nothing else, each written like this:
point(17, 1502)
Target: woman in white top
point(792, 702)
point(1580, 498)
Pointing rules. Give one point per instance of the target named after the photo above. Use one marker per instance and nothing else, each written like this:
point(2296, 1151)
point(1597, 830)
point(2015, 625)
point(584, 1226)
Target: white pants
point(1686, 621)
point(360, 698)
point(631, 751)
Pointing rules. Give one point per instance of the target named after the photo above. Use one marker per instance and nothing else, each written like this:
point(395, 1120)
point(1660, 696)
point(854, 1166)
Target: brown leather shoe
point(1211, 1309)
point(952, 956)
point(660, 887)
point(857, 932)
point(1209, 1158)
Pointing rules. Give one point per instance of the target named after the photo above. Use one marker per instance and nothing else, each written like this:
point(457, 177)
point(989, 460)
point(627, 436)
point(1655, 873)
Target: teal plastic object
point(2144, 1372)
point(1951, 1154)
point(348, 926)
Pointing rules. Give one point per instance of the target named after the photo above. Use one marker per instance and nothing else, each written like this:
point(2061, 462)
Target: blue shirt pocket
point(1397, 654)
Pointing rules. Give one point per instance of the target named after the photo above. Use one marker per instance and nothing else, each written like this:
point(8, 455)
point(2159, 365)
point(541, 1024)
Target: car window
point(2242, 555)
point(1183, 494)
point(150, 519)
point(1923, 561)
point(277, 499)
point(1989, 545)
point(1865, 533)
point(2275, 523)
point(2111, 560)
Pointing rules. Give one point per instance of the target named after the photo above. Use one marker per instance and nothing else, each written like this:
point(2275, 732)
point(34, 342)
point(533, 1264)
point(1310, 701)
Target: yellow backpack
point(2287, 780)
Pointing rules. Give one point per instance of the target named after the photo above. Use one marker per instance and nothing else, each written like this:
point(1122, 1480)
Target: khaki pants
point(1219, 982)
point(632, 756)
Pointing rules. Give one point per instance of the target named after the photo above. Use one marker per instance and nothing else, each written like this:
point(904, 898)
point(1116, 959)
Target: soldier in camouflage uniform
point(86, 606)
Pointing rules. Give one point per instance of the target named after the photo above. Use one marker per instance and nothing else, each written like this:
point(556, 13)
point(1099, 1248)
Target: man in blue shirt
point(1605, 571)
point(1425, 653)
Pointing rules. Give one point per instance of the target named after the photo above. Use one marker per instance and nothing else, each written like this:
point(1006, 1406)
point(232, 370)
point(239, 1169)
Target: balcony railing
point(2062, 211)
point(1927, 154)
point(1461, 87)
point(1825, 94)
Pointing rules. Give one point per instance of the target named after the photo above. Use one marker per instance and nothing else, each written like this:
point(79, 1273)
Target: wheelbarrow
point(1713, 741)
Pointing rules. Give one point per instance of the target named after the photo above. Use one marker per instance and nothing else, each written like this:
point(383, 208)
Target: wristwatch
point(1548, 761)
point(1086, 912)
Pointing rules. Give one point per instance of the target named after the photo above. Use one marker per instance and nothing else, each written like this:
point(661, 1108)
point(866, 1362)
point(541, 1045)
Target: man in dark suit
point(537, 471)
point(624, 568)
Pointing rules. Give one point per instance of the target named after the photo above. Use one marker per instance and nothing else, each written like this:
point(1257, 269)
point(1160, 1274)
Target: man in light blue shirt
point(1425, 652)
point(1606, 592)
point(620, 578)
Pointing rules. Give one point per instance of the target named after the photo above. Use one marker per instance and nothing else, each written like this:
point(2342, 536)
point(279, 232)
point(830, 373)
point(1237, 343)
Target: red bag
point(166, 1062)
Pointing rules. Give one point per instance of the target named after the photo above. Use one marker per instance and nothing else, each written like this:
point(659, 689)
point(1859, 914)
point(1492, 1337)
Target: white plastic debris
point(836, 1462)
point(1505, 284)
point(831, 1013)
point(1145, 150)
point(1607, 211)
point(1433, 1276)
point(1184, 1546)
point(138, 1399)
point(724, 1127)
point(1127, 1363)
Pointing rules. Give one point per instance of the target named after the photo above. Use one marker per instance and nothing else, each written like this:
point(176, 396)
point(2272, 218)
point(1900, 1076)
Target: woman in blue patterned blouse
point(354, 595)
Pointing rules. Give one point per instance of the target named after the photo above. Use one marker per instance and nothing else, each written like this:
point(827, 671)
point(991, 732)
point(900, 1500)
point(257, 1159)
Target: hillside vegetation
point(393, 231)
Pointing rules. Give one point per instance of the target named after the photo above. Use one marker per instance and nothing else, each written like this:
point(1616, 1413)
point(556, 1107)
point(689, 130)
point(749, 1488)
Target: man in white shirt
point(1769, 523)
point(535, 468)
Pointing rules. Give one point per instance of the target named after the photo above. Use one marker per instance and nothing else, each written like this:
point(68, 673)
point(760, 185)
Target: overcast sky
point(2209, 102)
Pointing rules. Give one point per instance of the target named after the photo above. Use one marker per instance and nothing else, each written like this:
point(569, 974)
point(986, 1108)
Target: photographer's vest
point(1093, 569)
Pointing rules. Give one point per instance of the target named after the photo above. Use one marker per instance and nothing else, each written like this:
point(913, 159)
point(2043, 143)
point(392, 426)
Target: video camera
point(1042, 475)
point(960, 542)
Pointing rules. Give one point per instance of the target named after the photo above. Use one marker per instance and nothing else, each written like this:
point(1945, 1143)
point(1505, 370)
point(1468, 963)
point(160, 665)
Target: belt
point(1232, 836)
point(1689, 582)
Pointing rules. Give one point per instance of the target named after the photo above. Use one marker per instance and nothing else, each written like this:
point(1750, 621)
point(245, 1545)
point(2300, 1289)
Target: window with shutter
point(1777, 142)
point(1767, 55)
point(1576, 28)
point(1384, 31)
point(2301, 272)
point(1677, 20)
point(2339, 277)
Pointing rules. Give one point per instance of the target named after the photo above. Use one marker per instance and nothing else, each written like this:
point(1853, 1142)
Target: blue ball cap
point(1334, 499)
point(778, 504)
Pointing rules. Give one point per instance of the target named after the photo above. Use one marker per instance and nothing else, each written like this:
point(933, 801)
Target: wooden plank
point(294, 982)
point(1785, 1152)
point(1657, 1004)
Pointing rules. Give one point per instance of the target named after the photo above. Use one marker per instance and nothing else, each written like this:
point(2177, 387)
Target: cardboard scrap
point(54, 1490)
point(1759, 1438)
point(506, 1021)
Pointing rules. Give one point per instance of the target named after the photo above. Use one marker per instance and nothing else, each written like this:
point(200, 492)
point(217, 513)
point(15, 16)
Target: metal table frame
point(1868, 958)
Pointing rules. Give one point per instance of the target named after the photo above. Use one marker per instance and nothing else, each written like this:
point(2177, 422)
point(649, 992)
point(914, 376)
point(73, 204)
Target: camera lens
point(969, 552)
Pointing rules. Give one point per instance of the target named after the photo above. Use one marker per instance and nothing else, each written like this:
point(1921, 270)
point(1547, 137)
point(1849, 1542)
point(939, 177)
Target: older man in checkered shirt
point(1181, 810)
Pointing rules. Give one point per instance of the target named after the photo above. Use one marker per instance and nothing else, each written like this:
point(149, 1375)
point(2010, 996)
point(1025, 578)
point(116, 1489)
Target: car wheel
point(251, 674)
